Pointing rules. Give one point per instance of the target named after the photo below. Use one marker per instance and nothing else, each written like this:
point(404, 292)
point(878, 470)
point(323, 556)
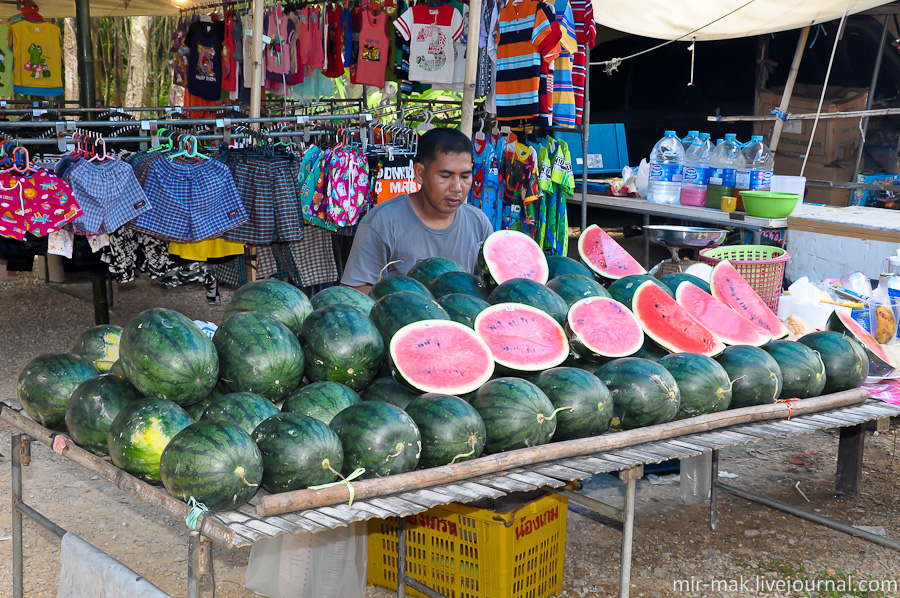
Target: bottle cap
point(704, 135)
point(730, 136)
point(670, 133)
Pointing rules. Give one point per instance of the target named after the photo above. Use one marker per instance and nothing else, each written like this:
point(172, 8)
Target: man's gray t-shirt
point(392, 231)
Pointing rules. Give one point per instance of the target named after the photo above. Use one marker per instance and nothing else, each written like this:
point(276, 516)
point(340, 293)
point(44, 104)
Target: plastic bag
point(637, 180)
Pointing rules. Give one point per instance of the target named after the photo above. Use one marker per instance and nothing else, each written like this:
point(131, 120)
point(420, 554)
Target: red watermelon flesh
point(441, 356)
point(522, 337)
point(865, 339)
point(604, 256)
point(729, 287)
point(605, 327)
point(670, 325)
point(509, 254)
point(723, 321)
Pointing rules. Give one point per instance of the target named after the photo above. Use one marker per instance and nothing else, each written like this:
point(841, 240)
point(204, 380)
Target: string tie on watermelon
point(197, 509)
point(240, 472)
point(542, 418)
point(358, 472)
point(788, 403)
point(472, 442)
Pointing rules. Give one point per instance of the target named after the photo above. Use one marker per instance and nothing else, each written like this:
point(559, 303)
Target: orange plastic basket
point(761, 265)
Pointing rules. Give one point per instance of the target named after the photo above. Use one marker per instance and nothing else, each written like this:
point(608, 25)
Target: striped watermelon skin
point(245, 410)
point(395, 284)
point(393, 312)
point(449, 427)
point(339, 295)
point(284, 302)
point(592, 407)
point(140, 433)
point(216, 463)
point(321, 400)
point(575, 287)
point(258, 354)
point(429, 269)
point(463, 308)
point(94, 405)
point(802, 369)
point(195, 410)
point(379, 437)
point(515, 414)
point(294, 448)
point(529, 292)
point(755, 376)
point(47, 383)
point(340, 344)
point(459, 282)
point(388, 390)
point(99, 345)
point(846, 362)
point(560, 265)
point(644, 393)
point(166, 355)
point(704, 385)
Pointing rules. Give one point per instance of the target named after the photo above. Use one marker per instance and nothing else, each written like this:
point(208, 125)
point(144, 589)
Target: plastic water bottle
point(666, 167)
point(723, 165)
point(696, 171)
point(689, 139)
point(758, 168)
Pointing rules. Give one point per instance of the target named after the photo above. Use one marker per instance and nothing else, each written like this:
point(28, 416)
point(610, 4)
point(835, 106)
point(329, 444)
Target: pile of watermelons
point(432, 368)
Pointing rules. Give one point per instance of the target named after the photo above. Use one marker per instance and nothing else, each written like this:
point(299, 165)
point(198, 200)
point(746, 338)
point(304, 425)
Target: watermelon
point(340, 344)
point(755, 376)
point(587, 408)
point(166, 355)
point(603, 328)
point(623, 290)
point(428, 270)
point(529, 292)
point(606, 257)
point(297, 452)
point(243, 409)
point(117, 368)
point(258, 354)
point(650, 350)
point(388, 390)
point(674, 279)
point(339, 295)
point(721, 320)
point(99, 345)
point(141, 431)
point(459, 282)
point(216, 463)
point(321, 400)
point(284, 302)
point(522, 338)
point(703, 383)
point(643, 392)
point(46, 384)
point(394, 311)
point(802, 369)
point(575, 287)
point(93, 406)
point(846, 362)
point(508, 254)
point(559, 265)
point(516, 414)
point(379, 437)
point(195, 410)
point(463, 308)
point(670, 325)
point(729, 287)
point(844, 322)
point(393, 284)
point(451, 429)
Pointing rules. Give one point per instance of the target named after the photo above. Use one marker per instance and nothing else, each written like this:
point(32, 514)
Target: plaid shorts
point(109, 194)
point(269, 190)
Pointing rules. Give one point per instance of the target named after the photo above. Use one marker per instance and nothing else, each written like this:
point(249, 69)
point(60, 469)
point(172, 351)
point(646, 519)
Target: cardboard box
point(836, 138)
point(840, 172)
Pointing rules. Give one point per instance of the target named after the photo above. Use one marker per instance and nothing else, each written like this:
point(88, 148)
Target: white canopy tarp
point(56, 9)
point(665, 19)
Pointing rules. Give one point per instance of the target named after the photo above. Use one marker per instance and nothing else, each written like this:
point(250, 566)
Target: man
point(435, 221)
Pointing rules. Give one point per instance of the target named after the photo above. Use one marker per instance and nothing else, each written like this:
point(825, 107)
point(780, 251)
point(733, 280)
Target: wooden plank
point(700, 439)
point(376, 512)
point(690, 446)
point(429, 497)
point(284, 524)
point(344, 513)
point(264, 528)
point(229, 517)
point(826, 421)
point(758, 432)
point(597, 464)
point(505, 483)
point(666, 451)
point(482, 491)
point(249, 534)
point(398, 506)
point(459, 493)
point(680, 451)
point(301, 522)
point(561, 472)
point(536, 479)
point(324, 520)
point(635, 455)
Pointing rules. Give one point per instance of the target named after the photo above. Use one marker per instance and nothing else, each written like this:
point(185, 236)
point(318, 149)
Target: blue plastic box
point(607, 151)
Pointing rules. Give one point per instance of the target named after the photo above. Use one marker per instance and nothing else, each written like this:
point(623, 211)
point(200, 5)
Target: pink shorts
point(39, 203)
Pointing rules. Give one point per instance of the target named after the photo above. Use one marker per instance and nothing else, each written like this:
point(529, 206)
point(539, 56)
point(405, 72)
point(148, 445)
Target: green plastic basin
point(769, 204)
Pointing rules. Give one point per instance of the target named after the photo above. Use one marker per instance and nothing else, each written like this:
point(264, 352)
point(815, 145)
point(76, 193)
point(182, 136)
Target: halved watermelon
point(723, 321)
point(521, 337)
point(670, 325)
point(844, 322)
point(441, 356)
point(508, 254)
point(729, 287)
point(604, 256)
point(603, 327)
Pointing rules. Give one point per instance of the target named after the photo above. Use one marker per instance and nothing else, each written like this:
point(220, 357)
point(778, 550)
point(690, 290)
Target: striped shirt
point(585, 35)
point(563, 90)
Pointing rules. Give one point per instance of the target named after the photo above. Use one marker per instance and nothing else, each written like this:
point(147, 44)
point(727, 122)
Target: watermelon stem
point(240, 472)
point(386, 266)
point(472, 442)
point(398, 450)
point(542, 418)
point(735, 381)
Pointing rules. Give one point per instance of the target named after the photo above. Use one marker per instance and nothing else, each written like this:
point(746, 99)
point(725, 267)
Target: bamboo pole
point(207, 526)
point(468, 102)
point(789, 87)
point(300, 500)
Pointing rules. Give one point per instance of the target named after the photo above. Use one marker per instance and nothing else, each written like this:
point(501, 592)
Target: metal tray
point(685, 236)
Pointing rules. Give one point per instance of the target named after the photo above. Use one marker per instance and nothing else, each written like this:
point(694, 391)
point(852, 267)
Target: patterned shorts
point(269, 191)
point(39, 203)
point(109, 194)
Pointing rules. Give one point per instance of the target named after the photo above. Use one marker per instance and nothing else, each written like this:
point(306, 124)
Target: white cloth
point(431, 33)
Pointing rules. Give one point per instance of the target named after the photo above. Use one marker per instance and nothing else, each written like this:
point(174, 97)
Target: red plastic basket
point(761, 265)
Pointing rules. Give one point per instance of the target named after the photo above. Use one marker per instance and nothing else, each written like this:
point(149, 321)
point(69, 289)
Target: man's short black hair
point(442, 141)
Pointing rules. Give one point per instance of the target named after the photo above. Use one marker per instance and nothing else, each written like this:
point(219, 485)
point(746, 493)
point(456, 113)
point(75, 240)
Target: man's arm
point(363, 288)
point(368, 256)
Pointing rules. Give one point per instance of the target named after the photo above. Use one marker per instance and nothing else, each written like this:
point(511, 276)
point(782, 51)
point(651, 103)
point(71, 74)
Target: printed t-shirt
point(6, 63)
point(37, 59)
point(394, 177)
point(373, 50)
point(335, 52)
point(204, 76)
point(229, 64)
point(431, 33)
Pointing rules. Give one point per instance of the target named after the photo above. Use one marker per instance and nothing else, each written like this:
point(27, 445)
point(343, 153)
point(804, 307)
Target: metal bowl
point(685, 236)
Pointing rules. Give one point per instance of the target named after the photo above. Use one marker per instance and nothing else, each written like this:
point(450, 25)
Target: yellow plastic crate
point(467, 552)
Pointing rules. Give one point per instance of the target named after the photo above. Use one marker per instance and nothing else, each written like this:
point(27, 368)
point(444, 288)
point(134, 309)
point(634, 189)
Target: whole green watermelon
point(427, 270)
point(459, 282)
point(393, 312)
point(463, 308)
point(755, 376)
point(378, 437)
point(588, 408)
point(388, 390)
point(94, 405)
point(340, 295)
point(46, 384)
point(282, 301)
point(560, 265)
point(451, 429)
point(643, 392)
point(164, 354)
point(575, 287)
point(397, 283)
point(802, 369)
point(846, 362)
point(341, 344)
point(195, 410)
point(99, 345)
point(243, 409)
point(258, 354)
point(216, 463)
point(321, 400)
point(141, 431)
point(516, 414)
point(530, 292)
point(298, 452)
point(703, 383)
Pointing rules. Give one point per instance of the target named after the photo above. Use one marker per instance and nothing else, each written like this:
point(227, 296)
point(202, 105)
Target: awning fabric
point(665, 19)
point(55, 9)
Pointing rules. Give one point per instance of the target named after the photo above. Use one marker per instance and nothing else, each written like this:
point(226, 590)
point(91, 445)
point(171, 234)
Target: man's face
point(445, 182)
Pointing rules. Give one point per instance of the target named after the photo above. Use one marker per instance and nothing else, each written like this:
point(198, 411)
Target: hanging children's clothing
point(6, 62)
point(204, 40)
point(586, 36)
point(431, 32)
point(109, 194)
point(557, 183)
point(180, 52)
point(521, 194)
point(334, 53)
point(486, 189)
point(373, 55)
point(36, 203)
point(37, 58)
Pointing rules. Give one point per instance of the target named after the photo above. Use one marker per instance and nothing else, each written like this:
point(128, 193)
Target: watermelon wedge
point(723, 321)
point(603, 327)
point(521, 337)
point(729, 287)
point(670, 325)
point(508, 254)
point(441, 356)
point(844, 322)
point(604, 256)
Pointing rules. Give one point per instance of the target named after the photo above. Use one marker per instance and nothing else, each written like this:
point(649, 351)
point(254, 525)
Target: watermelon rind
point(341, 344)
point(623, 290)
point(321, 400)
point(437, 363)
point(593, 246)
point(843, 322)
point(99, 345)
point(459, 282)
point(394, 284)
point(94, 405)
point(670, 325)
point(428, 270)
point(802, 369)
point(216, 463)
point(575, 287)
point(388, 390)
point(846, 363)
point(393, 312)
point(378, 437)
point(536, 352)
point(723, 321)
point(284, 302)
point(246, 410)
point(141, 431)
point(451, 429)
point(726, 282)
point(529, 292)
point(508, 254)
point(341, 295)
point(755, 376)
point(516, 414)
point(703, 383)
point(674, 279)
point(560, 265)
point(463, 308)
point(587, 406)
point(643, 392)
point(46, 384)
point(620, 334)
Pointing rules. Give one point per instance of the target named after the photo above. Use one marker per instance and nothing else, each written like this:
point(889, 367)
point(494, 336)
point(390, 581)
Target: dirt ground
point(675, 553)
